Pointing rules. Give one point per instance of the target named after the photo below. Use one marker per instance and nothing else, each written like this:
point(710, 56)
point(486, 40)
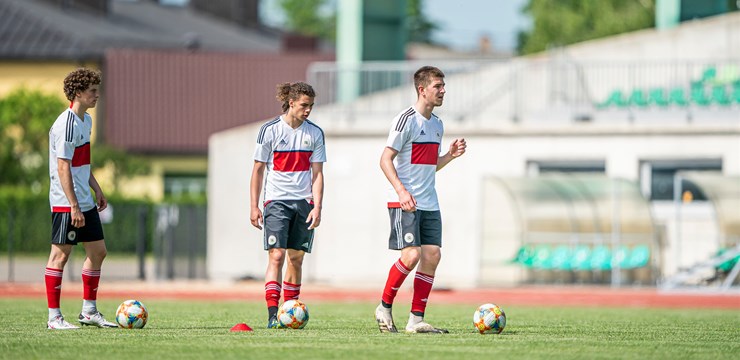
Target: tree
point(307, 17)
point(563, 22)
point(419, 27)
point(25, 118)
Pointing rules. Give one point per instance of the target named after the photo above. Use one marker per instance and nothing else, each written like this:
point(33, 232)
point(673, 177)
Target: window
point(657, 178)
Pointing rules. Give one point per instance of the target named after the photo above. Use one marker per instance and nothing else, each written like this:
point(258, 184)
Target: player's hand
point(78, 219)
point(102, 202)
point(408, 203)
point(255, 217)
point(457, 148)
point(314, 218)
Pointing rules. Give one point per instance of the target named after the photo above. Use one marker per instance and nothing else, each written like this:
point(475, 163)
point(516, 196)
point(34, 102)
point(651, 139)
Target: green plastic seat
point(708, 74)
point(638, 98)
point(729, 264)
point(601, 258)
point(657, 97)
point(720, 96)
point(542, 258)
point(699, 96)
point(677, 96)
point(638, 257)
point(561, 257)
point(524, 256)
point(621, 257)
point(581, 258)
point(616, 98)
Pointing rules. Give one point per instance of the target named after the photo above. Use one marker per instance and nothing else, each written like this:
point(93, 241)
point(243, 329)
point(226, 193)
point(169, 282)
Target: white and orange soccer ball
point(131, 314)
point(489, 319)
point(293, 314)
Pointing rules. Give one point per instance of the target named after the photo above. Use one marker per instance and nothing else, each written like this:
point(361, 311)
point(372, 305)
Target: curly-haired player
point(291, 149)
point(74, 211)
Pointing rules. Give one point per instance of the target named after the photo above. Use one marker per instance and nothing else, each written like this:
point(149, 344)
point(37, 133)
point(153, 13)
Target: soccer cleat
point(58, 323)
point(96, 319)
point(273, 323)
point(417, 325)
point(384, 317)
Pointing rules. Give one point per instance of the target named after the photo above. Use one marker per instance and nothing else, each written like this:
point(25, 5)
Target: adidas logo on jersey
point(422, 132)
point(283, 142)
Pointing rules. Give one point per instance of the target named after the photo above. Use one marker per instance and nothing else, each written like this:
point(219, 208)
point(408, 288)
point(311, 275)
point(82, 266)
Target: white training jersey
point(417, 140)
point(69, 138)
point(289, 153)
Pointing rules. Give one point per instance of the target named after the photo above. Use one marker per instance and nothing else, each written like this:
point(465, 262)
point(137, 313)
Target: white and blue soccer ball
point(293, 314)
point(131, 314)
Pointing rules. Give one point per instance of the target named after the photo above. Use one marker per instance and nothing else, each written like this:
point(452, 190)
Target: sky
point(461, 22)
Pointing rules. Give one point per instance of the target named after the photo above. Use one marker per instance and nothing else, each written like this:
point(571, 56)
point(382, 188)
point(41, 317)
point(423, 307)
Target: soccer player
point(410, 161)
point(291, 149)
point(74, 211)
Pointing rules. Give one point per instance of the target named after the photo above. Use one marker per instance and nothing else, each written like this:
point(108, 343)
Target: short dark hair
point(292, 91)
point(424, 75)
point(80, 80)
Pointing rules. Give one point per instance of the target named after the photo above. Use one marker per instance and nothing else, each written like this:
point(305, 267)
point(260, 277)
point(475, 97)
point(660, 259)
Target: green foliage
point(25, 118)
point(306, 17)
point(200, 330)
point(123, 164)
point(563, 22)
point(419, 27)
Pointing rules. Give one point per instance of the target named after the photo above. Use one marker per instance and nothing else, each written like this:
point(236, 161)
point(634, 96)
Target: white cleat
point(384, 317)
point(96, 319)
point(417, 325)
point(58, 323)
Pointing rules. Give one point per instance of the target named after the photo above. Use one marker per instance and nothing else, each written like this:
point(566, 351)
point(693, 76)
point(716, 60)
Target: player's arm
point(64, 169)
point(100, 199)
point(408, 203)
point(457, 148)
point(317, 190)
point(255, 189)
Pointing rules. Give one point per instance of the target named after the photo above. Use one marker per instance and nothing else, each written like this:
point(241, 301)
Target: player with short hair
point(74, 211)
point(291, 149)
point(410, 161)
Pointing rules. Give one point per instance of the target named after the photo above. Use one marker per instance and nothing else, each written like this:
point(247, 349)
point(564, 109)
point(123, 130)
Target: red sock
point(396, 276)
point(272, 293)
point(422, 288)
point(291, 291)
point(53, 279)
point(90, 281)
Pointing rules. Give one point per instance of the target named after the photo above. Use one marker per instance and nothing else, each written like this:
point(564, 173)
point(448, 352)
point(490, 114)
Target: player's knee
point(432, 256)
point(411, 256)
point(277, 256)
point(296, 259)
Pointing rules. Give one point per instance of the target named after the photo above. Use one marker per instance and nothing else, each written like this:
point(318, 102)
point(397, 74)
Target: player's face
point(301, 107)
point(434, 93)
point(89, 97)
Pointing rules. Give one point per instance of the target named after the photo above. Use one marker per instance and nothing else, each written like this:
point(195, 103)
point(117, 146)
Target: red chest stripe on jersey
point(81, 156)
point(291, 160)
point(424, 153)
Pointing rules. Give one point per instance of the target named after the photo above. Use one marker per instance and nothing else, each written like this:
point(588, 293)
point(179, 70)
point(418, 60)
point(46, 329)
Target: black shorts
point(63, 233)
point(285, 225)
point(414, 228)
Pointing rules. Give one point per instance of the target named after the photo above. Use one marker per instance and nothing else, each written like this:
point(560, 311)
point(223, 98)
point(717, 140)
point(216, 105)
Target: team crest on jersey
point(307, 142)
point(72, 235)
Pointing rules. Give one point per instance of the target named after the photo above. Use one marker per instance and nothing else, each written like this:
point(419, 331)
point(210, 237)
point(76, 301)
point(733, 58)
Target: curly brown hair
point(80, 80)
point(292, 91)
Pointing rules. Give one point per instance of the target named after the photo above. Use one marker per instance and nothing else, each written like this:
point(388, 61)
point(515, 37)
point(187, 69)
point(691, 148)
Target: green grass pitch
point(200, 330)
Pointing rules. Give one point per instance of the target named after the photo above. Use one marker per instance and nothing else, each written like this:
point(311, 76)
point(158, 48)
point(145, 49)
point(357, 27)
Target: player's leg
point(431, 242)
point(404, 237)
point(91, 238)
point(62, 239)
point(277, 217)
point(293, 274)
point(300, 243)
point(53, 277)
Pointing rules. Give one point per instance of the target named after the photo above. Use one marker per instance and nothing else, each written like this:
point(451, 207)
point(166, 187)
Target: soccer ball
point(131, 314)
point(293, 314)
point(489, 319)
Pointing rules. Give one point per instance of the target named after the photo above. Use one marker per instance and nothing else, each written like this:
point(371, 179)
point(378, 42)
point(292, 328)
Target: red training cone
point(241, 327)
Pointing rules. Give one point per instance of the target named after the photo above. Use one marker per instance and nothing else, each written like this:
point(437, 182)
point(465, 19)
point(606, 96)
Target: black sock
point(272, 311)
point(385, 304)
point(418, 313)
